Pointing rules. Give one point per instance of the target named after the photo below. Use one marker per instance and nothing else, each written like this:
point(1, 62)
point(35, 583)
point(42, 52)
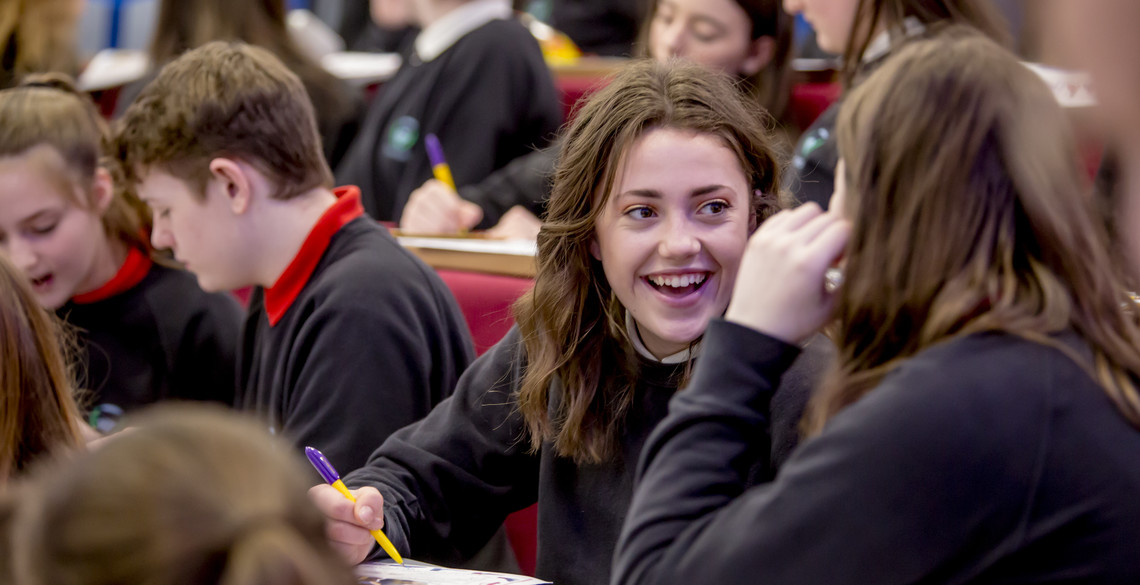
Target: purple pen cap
point(323, 466)
point(434, 150)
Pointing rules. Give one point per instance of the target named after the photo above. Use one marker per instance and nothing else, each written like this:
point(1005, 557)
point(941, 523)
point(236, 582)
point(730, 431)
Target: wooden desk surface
point(506, 257)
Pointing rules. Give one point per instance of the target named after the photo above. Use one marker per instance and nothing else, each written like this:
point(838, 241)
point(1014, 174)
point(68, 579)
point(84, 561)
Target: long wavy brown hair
point(572, 324)
point(969, 215)
point(874, 16)
point(38, 411)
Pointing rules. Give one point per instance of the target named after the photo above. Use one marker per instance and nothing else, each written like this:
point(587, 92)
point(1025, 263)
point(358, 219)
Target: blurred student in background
point(662, 177)
point(983, 423)
point(1100, 36)
point(865, 33)
point(38, 411)
point(748, 39)
point(183, 25)
point(37, 36)
point(190, 496)
point(146, 331)
point(475, 78)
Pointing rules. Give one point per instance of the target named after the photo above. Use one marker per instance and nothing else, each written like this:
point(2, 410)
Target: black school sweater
point(489, 98)
point(371, 343)
point(162, 339)
point(450, 480)
point(984, 459)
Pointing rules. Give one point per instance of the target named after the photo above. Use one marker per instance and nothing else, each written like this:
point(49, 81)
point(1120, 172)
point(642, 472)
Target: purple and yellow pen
point(333, 478)
point(439, 166)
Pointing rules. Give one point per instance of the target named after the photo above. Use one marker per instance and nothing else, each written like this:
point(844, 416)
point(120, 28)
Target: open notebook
point(416, 573)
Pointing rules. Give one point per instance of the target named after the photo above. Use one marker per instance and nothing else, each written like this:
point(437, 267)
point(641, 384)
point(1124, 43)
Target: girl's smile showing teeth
point(678, 283)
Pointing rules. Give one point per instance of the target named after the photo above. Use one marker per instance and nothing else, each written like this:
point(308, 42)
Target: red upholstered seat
point(485, 300)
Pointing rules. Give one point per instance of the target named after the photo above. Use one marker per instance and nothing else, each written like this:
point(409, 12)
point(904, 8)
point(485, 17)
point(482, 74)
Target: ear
point(234, 182)
point(595, 250)
point(102, 191)
point(760, 53)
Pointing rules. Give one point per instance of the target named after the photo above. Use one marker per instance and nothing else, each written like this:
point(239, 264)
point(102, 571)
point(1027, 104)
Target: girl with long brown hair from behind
point(983, 423)
point(191, 496)
point(662, 176)
point(38, 411)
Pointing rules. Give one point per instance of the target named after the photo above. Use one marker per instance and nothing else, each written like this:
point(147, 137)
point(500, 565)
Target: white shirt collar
point(882, 44)
point(441, 34)
point(677, 358)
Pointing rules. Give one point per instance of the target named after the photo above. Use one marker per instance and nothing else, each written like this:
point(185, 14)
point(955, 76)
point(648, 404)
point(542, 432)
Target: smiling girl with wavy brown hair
point(663, 175)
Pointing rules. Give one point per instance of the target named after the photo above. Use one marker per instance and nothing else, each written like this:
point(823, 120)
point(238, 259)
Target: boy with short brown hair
point(349, 337)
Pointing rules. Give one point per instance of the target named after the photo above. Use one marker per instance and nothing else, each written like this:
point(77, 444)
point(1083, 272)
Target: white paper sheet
point(413, 573)
point(474, 245)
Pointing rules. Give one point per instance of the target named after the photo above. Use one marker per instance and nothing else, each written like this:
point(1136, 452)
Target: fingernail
point(366, 514)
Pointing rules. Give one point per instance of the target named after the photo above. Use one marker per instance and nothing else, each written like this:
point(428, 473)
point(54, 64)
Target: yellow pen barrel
point(443, 175)
point(379, 535)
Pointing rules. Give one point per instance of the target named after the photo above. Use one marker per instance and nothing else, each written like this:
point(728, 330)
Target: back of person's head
point(572, 322)
point(184, 25)
point(229, 100)
point(713, 44)
point(49, 118)
point(969, 214)
point(193, 495)
point(38, 412)
point(875, 16)
point(37, 36)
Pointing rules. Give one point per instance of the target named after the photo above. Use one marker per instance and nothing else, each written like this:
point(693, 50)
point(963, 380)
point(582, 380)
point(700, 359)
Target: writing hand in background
point(518, 223)
point(435, 208)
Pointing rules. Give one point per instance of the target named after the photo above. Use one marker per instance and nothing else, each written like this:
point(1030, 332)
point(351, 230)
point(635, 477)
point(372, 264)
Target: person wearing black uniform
point(476, 79)
point(556, 413)
point(349, 337)
point(151, 334)
point(844, 30)
point(144, 332)
point(983, 424)
point(749, 39)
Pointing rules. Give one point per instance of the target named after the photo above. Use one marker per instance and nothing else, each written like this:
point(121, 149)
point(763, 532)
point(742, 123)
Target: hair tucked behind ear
point(193, 495)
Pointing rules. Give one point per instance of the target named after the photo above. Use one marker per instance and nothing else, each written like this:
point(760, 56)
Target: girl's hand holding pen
point(349, 524)
point(780, 285)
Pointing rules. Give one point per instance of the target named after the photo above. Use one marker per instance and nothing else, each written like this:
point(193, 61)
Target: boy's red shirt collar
point(134, 269)
point(280, 296)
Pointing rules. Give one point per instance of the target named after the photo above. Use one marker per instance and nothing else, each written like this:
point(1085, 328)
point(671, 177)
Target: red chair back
point(486, 300)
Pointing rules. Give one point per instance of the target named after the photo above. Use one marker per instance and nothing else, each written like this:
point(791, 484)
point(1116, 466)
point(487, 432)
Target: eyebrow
point(654, 194)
